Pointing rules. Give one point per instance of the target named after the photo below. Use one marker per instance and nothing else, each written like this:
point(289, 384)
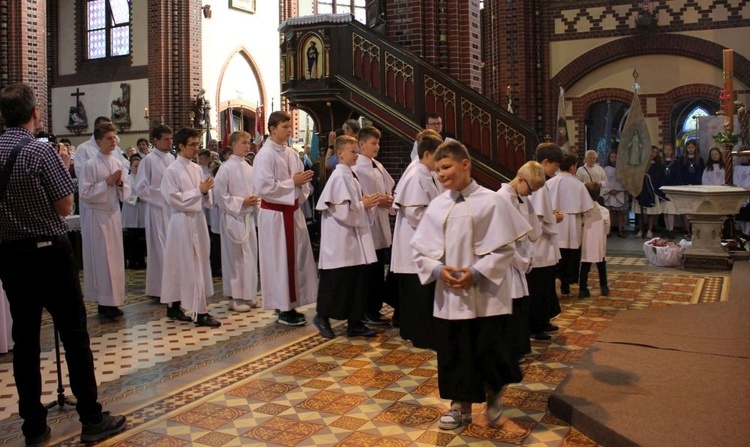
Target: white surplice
point(476, 228)
point(614, 200)
point(521, 264)
point(345, 238)
point(6, 323)
point(239, 242)
point(715, 177)
point(569, 196)
point(101, 233)
point(595, 229)
point(148, 187)
point(84, 152)
point(133, 215)
point(187, 269)
point(592, 175)
point(374, 178)
point(273, 169)
point(546, 248)
point(414, 192)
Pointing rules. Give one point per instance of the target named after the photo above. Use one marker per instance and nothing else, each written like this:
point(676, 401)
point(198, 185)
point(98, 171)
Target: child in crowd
point(414, 192)
point(530, 178)
point(287, 268)
point(714, 174)
point(615, 196)
point(346, 247)
point(374, 179)
point(594, 249)
point(648, 201)
point(134, 222)
point(238, 207)
point(465, 242)
point(569, 196)
point(187, 272)
point(544, 303)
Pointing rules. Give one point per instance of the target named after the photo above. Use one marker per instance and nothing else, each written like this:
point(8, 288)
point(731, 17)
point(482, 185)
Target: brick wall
point(23, 47)
point(174, 60)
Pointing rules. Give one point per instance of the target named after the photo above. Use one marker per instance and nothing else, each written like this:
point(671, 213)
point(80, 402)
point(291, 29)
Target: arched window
point(691, 120)
point(107, 28)
point(356, 7)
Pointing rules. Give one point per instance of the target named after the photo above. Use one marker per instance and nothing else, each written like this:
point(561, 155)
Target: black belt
point(33, 242)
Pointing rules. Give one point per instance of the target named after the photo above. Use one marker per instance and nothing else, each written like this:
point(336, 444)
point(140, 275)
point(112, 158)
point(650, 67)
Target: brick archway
point(245, 54)
point(672, 44)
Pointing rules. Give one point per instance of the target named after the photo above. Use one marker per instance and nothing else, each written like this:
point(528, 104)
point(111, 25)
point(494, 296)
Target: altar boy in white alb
point(287, 268)
point(238, 206)
point(465, 242)
point(375, 180)
point(346, 247)
point(414, 192)
point(187, 270)
point(103, 184)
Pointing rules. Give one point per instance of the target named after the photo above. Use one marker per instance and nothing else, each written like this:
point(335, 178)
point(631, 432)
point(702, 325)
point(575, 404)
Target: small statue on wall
point(77, 116)
point(200, 109)
point(312, 60)
point(121, 106)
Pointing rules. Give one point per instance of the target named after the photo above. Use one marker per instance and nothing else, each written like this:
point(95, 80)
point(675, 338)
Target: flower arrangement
point(659, 242)
point(727, 137)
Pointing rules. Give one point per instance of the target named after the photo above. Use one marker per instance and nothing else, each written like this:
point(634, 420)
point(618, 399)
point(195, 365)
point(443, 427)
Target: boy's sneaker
point(649, 234)
point(40, 439)
point(454, 419)
point(584, 293)
point(357, 329)
point(639, 234)
point(239, 305)
point(108, 426)
point(605, 291)
point(291, 318)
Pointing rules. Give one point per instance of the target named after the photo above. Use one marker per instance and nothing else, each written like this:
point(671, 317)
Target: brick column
point(174, 60)
point(23, 47)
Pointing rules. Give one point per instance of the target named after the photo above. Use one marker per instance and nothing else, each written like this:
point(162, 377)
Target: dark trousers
point(215, 253)
point(570, 261)
point(416, 302)
point(378, 290)
point(343, 292)
point(22, 265)
point(474, 358)
point(135, 247)
point(543, 302)
point(601, 267)
point(519, 327)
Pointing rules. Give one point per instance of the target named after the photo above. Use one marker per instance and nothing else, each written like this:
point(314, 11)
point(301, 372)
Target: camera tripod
point(62, 399)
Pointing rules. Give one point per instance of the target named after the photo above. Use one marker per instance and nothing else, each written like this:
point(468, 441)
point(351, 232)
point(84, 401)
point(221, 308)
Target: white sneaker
point(254, 304)
point(639, 234)
point(239, 306)
point(649, 234)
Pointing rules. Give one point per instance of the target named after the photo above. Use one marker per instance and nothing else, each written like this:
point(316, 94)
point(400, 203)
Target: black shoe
point(291, 318)
point(39, 440)
point(378, 320)
point(584, 293)
point(207, 321)
point(360, 330)
point(605, 291)
point(565, 290)
point(395, 323)
point(108, 426)
point(324, 326)
point(110, 312)
point(541, 336)
point(176, 313)
point(550, 328)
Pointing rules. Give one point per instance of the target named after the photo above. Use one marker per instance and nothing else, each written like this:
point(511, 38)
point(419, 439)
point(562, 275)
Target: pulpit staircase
point(357, 71)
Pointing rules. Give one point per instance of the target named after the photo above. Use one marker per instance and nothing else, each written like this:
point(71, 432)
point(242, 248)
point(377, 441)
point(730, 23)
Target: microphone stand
point(61, 400)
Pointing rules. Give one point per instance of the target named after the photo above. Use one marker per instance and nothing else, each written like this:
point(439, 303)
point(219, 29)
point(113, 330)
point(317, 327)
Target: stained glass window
point(691, 121)
point(108, 27)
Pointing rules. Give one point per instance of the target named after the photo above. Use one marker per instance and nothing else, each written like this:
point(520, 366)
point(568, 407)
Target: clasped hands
point(206, 185)
point(456, 278)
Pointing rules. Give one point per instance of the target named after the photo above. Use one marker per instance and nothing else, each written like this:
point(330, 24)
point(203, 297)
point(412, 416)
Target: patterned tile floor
point(253, 382)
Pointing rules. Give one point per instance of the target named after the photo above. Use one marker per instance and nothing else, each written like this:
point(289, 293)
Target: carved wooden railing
point(365, 72)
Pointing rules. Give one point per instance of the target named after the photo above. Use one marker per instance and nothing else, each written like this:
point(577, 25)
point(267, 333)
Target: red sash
point(288, 215)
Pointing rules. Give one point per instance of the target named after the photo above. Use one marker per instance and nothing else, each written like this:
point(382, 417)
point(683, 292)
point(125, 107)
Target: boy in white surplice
point(187, 270)
point(103, 185)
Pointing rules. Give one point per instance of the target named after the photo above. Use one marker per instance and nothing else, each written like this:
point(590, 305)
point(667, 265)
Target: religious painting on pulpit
point(312, 57)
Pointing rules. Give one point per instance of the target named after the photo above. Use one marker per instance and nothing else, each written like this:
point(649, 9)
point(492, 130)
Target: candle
point(145, 113)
